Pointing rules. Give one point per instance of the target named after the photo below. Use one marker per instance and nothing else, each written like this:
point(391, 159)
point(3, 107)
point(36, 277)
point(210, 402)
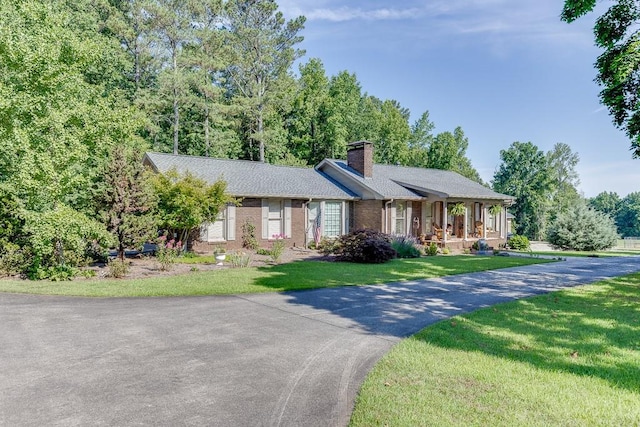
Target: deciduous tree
point(616, 31)
point(524, 173)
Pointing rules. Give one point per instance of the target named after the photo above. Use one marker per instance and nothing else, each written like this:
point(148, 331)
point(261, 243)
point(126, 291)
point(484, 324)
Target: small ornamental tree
point(582, 229)
point(186, 202)
point(127, 201)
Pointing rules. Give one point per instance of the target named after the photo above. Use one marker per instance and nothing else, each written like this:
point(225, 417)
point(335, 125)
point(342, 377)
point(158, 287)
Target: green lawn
point(284, 277)
point(612, 253)
point(569, 358)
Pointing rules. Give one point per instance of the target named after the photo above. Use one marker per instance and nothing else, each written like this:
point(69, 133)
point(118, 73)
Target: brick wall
point(251, 210)
point(368, 214)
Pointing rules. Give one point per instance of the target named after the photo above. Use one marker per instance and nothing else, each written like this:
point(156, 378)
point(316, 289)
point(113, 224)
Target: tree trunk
point(176, 110)
point(207, 143)
point(261, 133)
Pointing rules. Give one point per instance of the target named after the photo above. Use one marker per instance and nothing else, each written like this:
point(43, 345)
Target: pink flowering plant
point(277, 247)
point(167, 252)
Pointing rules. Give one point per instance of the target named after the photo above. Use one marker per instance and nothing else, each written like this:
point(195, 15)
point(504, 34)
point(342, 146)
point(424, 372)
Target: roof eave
point(349, 177)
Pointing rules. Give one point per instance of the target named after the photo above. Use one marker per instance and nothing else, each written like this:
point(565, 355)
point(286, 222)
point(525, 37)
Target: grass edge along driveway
point(565, 358)
point(292, 276)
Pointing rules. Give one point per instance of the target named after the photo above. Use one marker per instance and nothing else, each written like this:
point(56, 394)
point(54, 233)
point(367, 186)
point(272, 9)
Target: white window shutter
point(287, 218)
point(265, 218)
point(231, 222)
point(409, 220)
point(393, 218)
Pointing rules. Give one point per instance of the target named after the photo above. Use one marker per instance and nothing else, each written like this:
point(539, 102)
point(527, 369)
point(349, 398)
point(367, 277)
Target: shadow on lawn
point(587, 332)
point(397, 310)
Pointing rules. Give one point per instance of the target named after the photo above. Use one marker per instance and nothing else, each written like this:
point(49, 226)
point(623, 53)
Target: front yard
point(291, 276)
point(565, 358)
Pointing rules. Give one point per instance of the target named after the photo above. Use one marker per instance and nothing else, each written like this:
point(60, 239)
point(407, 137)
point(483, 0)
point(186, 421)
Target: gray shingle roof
point(401, 182)
point(255, 179)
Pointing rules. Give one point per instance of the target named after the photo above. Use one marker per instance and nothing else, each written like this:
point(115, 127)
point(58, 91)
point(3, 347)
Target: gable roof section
point(255, 179)
point(401, 182)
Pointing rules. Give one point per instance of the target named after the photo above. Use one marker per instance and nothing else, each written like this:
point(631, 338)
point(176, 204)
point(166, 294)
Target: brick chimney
point(360, 157)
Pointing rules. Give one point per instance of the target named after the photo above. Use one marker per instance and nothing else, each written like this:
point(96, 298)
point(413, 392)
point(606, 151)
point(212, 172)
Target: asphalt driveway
point(294, 359)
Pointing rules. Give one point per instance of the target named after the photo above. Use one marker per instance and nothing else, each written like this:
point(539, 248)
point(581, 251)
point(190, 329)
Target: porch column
point(445, 218)
point(466, 223)
point(484, 220)
point(503, 222)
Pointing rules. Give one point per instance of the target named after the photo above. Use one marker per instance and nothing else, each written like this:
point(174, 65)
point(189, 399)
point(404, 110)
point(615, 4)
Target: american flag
point(317, 229)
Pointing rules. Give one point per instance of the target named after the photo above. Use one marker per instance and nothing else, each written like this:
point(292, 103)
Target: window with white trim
point(401, 218)
point(332, 219)
point(222, 229)
point(275, 218)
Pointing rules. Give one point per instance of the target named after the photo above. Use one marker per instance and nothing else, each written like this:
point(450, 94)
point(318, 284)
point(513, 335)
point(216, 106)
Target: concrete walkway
point(294, 359)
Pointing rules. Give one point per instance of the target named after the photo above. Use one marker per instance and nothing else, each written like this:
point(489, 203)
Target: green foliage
point(606, 202)
point(13, 259)
point(127, 201)
point(262, 47)
point(405, 246)
point(277, 249)
point(118, 268)
point(448, 151)
point(582, 229)
point(365, 246)
point(519, 243)
point(57, 273)
point(167, 252)
point(186, 202)
point(239, 259)
point(61, 236)
point(628, 215)
point(457, 209)
point(431, 250)
point(562, 164)
point(524, 173)
point(616, 31)
point(249, 239)
point(495, 209)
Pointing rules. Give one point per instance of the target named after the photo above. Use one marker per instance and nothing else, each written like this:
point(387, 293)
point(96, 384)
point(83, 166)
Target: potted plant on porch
point(457, 209)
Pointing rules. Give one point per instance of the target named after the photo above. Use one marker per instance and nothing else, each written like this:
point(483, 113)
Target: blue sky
point(503, 70)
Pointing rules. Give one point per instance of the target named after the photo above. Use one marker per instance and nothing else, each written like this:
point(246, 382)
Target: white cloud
point(346, 13)
point(500, 21)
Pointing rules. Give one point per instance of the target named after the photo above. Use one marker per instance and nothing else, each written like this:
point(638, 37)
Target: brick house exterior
point(303, 204)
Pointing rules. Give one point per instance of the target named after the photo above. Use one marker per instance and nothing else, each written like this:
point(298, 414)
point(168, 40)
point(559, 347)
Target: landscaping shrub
point(328, 246)
point(118, 268)
point(519, 243)
point(55, 273)
point(405, 246)
point(277, 249)
point(582, 229)
point(365, 246)
point(167, 252)
point(13, 259)
point(249, 239)
point(239, 259)
point(431, 250)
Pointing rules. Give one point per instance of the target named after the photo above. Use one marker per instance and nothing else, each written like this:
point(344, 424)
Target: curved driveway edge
point(289, 359)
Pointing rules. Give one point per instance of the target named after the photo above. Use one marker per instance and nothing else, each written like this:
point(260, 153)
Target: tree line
point(545, 187)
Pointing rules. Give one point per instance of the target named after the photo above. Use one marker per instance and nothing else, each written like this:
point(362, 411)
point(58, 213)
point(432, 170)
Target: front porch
point(459, 223)
point(493, 240)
